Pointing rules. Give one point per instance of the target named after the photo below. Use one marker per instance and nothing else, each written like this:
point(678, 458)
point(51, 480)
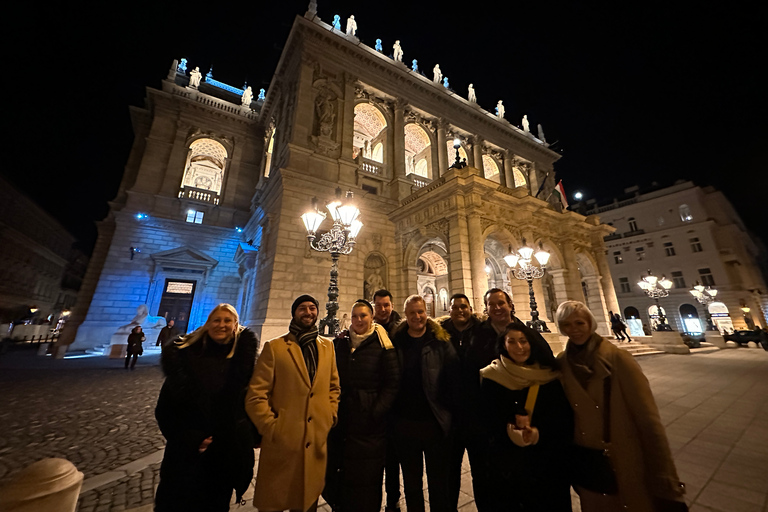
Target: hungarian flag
point(560, 191)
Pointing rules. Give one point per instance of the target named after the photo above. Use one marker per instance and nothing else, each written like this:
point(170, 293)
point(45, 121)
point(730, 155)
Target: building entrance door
point(176, 302)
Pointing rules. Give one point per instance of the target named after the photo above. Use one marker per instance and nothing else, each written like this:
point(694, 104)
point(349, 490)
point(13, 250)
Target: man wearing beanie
point(293, 400)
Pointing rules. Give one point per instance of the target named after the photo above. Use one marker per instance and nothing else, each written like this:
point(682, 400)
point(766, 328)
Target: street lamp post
point(705, 296)
point(340, 239)
point(657, 288)
point(527, 271)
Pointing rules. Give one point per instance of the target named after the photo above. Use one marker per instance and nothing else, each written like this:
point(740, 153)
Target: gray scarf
point(306, 337)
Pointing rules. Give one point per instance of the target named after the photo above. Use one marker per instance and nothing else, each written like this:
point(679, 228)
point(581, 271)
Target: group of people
point(339, 417)
point(618, 327)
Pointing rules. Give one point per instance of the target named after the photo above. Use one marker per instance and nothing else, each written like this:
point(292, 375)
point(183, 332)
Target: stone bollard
point(48, 485)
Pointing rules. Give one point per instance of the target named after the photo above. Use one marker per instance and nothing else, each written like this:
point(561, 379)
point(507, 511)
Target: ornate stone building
point(337, 114)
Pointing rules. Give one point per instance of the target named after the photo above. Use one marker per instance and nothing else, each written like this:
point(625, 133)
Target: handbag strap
point(530, 401)
point(607, 410)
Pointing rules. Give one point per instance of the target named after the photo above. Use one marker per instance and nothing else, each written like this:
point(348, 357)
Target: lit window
point(669, 249)
point(640, 251)
point(625, 286)
point(677, 278)
point(685, 213)
point(632, 224)
point(195, 217)
point(617, 257)
point(695, 245)
point(706, 277)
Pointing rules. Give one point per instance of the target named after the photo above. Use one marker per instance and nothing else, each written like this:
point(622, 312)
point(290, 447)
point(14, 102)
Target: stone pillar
point(572, 276)
point(533, 181)
point(459, 266)
point(443, 159)
point(348, 117)
point(477, 260)
point(477, 155)
point(520, 298)
point(609, 292)
point(506, 170)
point(398, 139)
point(596, 303)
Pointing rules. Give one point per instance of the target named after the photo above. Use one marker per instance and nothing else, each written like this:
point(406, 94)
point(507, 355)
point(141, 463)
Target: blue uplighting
point(221, 85)
point(142, 216)
point(239, 229)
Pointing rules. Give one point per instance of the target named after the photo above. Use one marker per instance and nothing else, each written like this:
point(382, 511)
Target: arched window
point(490, 168)
point(519, 177)
point(417, 149)
point(369, 133)
point(378, 153)
point(685, 213)
point(204, 172)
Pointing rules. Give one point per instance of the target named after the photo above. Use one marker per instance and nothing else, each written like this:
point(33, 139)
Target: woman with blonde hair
point(201, 413)
point(622, 459)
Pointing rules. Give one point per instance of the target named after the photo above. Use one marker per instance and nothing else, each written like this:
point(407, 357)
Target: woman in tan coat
point(293, 400)
point(614, 411)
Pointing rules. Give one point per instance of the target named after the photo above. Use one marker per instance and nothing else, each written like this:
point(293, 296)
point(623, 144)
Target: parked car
point(743, 337)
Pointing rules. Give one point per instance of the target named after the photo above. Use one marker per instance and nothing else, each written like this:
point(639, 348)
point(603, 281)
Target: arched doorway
point(653, 313)
point(634, 322)
point(432, 275)
point(690, 316)
point(720, 317)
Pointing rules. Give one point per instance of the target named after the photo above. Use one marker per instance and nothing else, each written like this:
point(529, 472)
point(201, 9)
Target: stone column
point(609, 292)
point(520, 298)
point(398, 139)
point(572, 276)
point(596, 303)
point(348, 117)
point(443, 159)
point(506, 170)
point(477, 155)
point(459, 266)
point(477, 260)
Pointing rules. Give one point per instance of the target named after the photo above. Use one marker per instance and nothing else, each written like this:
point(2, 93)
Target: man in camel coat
point(293, 400)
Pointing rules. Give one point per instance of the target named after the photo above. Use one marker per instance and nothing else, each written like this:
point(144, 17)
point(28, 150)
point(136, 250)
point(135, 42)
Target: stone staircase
point(636, 349)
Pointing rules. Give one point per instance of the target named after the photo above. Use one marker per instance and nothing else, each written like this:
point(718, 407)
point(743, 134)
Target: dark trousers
point(392, 475)
point(418, 441)
point(477, 450)
point(128, 358)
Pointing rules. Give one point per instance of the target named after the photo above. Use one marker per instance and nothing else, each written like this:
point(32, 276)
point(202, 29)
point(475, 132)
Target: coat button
point(311, 395)
point(308, 444)
point(309, 420)
point(575, 405)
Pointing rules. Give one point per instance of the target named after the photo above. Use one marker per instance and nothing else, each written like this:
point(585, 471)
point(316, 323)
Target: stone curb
point(123, 471)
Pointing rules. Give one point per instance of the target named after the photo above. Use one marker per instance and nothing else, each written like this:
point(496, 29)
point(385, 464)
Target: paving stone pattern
point(127, 493)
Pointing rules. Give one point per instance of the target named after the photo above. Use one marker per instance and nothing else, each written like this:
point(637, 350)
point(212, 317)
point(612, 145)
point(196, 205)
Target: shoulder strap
point(530, 401)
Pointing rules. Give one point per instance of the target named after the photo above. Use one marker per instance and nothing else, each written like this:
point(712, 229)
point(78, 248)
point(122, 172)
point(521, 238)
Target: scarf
point(357, 339)
point(582, 358)
point(512, 376)
point(306, 337)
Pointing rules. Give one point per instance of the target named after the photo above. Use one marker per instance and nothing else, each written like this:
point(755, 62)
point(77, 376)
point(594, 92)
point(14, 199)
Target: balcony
point(199, 195)
point(372, 168)
point(634, 233)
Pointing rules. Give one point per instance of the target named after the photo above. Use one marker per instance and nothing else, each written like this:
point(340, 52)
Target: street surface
point(101, 417)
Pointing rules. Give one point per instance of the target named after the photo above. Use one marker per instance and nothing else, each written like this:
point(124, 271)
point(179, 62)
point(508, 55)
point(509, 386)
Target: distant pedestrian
point(135, 349)
point(623, 327)
point(167, 333)
point(201, 413)
point(616, 326)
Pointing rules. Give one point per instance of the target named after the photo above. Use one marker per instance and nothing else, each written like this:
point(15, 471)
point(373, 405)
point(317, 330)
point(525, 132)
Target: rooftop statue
point(378, 46)
point(471, 96)
point(445, 82)
point(337, 22)
point(247, 97)
point(397, 51)
point(261, 95)
point(500, 110)
point(415, 65)
point(438, 75)
point(526, 126)
point(541, 134)
point(183, 66)
point(351, 26)
point(194, 78)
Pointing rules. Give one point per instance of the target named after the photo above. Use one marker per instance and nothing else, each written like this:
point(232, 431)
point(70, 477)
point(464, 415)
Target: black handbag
point(591, 468)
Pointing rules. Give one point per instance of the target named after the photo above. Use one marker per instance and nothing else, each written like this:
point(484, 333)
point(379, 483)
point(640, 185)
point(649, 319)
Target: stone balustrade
point(200, 195)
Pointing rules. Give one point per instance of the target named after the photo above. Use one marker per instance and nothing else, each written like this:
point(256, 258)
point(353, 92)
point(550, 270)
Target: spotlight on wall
point(239, 229)
point(134, 250)
point(142, 216)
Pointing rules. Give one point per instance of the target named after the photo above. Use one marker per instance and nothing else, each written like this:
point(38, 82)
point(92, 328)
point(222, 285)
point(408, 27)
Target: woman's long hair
point(200, 332)
point(541, 352)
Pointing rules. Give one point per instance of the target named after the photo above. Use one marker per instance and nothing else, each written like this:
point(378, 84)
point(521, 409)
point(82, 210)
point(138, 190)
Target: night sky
point(630, 92)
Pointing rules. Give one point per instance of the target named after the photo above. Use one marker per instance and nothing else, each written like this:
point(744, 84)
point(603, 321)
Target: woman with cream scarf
point(529, 423)
point(369, 376)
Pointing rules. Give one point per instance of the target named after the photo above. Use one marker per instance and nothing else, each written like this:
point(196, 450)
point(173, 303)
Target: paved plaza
point(101, 417)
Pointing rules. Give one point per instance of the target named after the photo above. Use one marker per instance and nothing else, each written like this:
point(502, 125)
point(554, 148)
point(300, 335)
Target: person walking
point(368, 367)
point(615, 415)
point(423, 408)
point(166, 334)
point(616, 326)
point(201, 414)
point(135, 348)
point(293, 399)
point(529, 424)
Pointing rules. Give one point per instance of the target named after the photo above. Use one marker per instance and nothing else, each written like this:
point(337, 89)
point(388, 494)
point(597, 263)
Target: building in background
point(41, 269)
point(689, 234)
point(210, 203)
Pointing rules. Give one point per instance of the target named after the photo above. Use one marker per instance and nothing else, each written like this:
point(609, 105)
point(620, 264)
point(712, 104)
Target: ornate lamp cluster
point(340, 239)
point(657, 288)
point(521, 264)
point(705, 295)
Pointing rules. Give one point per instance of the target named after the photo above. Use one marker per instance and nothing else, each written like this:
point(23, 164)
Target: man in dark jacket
point(166, 334)
point(423, 409)
point(462, 325)
point(385, 315)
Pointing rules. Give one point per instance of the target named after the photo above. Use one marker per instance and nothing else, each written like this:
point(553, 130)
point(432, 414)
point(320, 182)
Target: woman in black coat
point(529, 423)
point(369, 375)
point(135, 349)
point(201, 413)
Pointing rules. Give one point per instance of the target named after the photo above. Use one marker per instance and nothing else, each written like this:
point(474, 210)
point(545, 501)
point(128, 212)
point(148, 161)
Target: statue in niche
point(247, 97)
point(526, 126)
point(351, 26)
point(541, 134)
point(182, 66)
point(326, 114)
point(397, 51)
point(373, 282)
point(262, 92)
point(337, 22)
point(378, 46)
point(437, 74)
point(194, 78)
point(500, 110)
point(471, 94)
point(445, 82)
point(415, 65)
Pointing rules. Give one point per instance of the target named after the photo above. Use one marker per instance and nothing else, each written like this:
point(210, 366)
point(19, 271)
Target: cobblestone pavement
point(100, 417)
